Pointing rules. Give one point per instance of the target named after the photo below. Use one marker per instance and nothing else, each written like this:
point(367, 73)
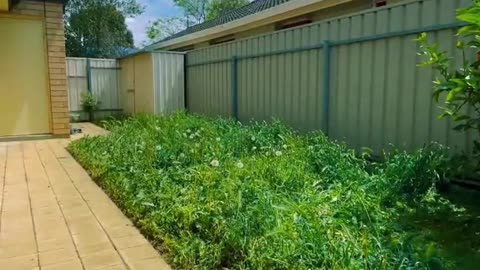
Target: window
point(380, 3)
point(223, 39)
point(293, 23)
point(185, 49)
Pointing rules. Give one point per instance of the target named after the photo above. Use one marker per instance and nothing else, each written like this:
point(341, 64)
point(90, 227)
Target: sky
point(153, 9)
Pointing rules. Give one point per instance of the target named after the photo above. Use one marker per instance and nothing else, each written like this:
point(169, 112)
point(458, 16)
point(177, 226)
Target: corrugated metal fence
point(101, 77)
point(354, 77)
point(168, 82)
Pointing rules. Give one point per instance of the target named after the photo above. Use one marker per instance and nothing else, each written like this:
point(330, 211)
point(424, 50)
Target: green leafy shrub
point(458, 87)
point(220, 195)
point(90, 104)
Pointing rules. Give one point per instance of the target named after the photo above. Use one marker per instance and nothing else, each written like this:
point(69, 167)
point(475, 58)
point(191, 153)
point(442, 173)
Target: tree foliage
point(195, 11)
point(218, 7)
point(97, 28)
point(165, 27)
point(458, 89)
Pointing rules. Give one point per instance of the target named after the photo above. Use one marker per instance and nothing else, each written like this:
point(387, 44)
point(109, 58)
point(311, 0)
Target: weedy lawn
point(215, 194)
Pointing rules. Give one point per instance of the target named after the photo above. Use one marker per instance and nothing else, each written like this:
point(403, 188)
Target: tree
point(97, 28)
point(458, 88)
point(195, 11)
point(218, 7)
point(165, 27)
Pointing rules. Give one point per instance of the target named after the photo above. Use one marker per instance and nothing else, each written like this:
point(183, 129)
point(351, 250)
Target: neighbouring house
point(33, 85)
point(260, 17)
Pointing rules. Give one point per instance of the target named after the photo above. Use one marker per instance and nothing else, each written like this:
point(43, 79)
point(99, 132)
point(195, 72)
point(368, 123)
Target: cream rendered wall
point(343, 9)
point(256, 31)
point(143, 68)
point(52, 14)
point(24, 93)
point(127, 85)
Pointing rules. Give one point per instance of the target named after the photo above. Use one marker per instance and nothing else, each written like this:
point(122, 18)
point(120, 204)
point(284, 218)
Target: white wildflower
point(239, 164)
point(191, 136)
point(284, 146)
point(215, 163)
point(296, 218)
point(278, 153)
point(158, 147)
point(254, 148)
point(182, 155)
point(253, 138)
point(189, 131)
point(218, 139)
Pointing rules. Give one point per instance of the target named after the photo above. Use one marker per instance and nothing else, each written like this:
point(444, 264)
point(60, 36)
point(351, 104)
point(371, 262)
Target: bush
point(220, 195)
point(90, 104)
point(458, 87)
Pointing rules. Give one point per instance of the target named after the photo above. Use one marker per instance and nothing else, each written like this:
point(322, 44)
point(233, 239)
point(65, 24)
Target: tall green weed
point(217, 194)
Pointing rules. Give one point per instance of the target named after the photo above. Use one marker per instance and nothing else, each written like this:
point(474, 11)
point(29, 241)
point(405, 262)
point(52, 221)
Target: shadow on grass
point(451, 223)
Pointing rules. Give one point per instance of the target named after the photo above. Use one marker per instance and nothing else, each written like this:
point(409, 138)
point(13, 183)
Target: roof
point(249, 9)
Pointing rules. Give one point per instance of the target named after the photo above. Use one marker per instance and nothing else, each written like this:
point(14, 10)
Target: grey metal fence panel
point(105, 82)
point(77, 81)
point(363, 88)
point(103, 78)
point(169, 82)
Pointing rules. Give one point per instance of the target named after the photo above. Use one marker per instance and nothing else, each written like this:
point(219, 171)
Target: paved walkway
point(54, 217)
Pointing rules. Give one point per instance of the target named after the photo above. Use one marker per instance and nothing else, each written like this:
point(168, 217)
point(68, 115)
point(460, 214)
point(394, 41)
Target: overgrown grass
point(217, 194)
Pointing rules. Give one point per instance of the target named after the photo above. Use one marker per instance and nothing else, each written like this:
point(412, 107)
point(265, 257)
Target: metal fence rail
point(99, 76)
point(353, 77)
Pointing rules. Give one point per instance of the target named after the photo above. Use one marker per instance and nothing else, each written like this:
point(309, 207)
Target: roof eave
point(272, 15)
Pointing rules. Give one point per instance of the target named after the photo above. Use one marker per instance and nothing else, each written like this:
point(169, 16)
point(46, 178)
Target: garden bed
point(216, 194)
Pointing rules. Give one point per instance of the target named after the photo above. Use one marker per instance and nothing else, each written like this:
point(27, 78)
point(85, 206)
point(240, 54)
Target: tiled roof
point(252, 8)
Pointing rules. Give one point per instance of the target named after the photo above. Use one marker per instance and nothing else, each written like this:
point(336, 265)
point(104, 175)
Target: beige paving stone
point(54, 217)
point(55, 244)
point(57, 256)
point(102, 259)
point(89, 239)
point(134, 254)
point(73, 264)
point(122, 230)
point(27, 262)
point(117, 267)
point(129, 241)
point(153, 264)
point(93, 249)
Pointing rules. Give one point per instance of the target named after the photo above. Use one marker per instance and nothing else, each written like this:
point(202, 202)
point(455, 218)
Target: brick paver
point(53, 216)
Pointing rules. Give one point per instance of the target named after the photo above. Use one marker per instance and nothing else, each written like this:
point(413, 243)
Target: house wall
point(320, 15)
point(55, 39)
point(127, 85)
point(143, 69)
point(343, 9)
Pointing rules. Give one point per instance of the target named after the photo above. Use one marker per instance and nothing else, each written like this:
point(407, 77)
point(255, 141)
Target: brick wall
point(53, 16)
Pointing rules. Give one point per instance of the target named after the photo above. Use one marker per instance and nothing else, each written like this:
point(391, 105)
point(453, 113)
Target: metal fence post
point(235, 87)
point(89, 76)
point(326, 85)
